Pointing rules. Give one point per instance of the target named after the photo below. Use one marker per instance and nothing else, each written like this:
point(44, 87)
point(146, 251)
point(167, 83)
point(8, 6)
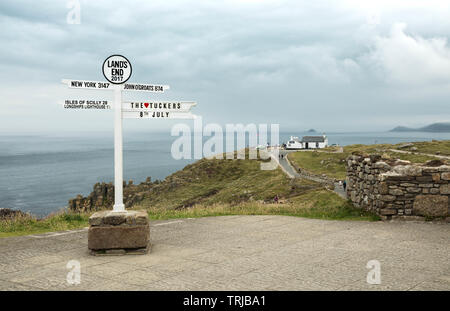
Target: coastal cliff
point(102, 196)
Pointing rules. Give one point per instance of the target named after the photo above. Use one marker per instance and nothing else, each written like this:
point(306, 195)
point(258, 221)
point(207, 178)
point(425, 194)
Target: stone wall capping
point(444, 168)
point(401, 162)
point(408, 170)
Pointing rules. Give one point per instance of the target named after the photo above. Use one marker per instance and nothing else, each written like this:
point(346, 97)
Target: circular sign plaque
point(117, 69)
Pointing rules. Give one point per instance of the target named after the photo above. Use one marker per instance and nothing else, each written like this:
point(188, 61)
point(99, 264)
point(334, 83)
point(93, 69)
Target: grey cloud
point(300, 63)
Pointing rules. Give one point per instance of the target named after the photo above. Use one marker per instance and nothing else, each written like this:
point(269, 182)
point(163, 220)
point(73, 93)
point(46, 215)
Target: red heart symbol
point(146, 105)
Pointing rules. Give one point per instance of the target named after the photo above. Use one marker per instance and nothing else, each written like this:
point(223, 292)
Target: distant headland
point(443, 127)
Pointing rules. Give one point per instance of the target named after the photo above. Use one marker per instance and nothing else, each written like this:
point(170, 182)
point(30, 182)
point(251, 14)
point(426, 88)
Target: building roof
point(313, 139)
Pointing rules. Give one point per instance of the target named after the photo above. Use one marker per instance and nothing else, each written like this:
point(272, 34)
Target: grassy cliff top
point(209, 182)
point(331, 163)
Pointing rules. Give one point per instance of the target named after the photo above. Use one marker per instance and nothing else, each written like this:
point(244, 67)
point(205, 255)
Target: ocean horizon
point(40, 173)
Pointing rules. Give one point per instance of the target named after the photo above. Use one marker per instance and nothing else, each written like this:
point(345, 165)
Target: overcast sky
point(328, 65)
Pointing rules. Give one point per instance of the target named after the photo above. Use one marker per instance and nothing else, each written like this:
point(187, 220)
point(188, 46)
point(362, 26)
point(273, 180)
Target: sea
point(40, 173)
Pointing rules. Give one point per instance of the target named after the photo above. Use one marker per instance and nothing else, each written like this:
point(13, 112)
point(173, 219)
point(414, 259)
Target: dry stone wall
point(397, 188)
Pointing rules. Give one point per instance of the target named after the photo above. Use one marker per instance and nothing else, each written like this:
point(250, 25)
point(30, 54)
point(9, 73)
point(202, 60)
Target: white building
point(294, 143)
point(307, 142)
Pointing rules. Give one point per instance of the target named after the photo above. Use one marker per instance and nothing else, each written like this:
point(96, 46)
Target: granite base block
point(119, 233)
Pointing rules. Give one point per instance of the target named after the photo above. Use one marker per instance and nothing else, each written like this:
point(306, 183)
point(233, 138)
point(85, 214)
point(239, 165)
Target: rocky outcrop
point(6, 213)
point(397, 188)
point(102, 196)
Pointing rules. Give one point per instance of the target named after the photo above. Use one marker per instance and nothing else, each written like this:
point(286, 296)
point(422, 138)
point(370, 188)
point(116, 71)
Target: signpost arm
point(118, 151)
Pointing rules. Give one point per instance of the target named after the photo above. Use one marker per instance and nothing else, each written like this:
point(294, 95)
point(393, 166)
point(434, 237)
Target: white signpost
point(117, 70)
point(86, 104)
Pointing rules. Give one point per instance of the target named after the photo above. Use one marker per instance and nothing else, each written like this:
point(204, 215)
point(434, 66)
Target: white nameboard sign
point(154, 88)
point(157, 115)
point(86, 104)
point(90, 85)
point(175, 106)
point(117, 70)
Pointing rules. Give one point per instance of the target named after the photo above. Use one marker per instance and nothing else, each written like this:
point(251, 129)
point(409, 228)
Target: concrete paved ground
point(241, 253)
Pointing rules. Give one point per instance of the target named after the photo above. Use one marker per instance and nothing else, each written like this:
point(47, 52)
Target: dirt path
point(287, 167)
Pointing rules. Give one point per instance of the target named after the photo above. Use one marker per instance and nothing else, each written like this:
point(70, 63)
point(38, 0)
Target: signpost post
point(120, 231)
point(117, 70)
point(118, 152)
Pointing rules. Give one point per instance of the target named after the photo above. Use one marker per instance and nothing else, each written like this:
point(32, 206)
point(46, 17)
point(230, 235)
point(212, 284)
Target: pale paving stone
point(141, 277)
point(270, 282)
point(103, 285)
point(398, 285)
point(55, 269)
point(51, 280)
point(42, 260)
point(212, 257)
point(181, 282)
point(177, 266)
point(10, 286)
point(6, 268)
point(144, 261)
point(221, 271)
point(171, 251)
point(436, 284)
point(107, 270)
